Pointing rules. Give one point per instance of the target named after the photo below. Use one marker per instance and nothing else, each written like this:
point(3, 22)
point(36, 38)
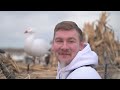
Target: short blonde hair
point(68, 25)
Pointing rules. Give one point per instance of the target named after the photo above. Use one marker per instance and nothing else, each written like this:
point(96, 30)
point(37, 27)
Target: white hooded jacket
point(81, 66)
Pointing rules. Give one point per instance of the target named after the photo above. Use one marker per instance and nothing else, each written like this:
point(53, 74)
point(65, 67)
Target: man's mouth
point(64, 53)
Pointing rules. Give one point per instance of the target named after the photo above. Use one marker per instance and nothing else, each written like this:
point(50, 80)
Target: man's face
point(66, 45)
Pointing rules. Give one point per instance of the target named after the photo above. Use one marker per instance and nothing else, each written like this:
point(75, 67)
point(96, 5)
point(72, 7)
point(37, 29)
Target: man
point(76, 60)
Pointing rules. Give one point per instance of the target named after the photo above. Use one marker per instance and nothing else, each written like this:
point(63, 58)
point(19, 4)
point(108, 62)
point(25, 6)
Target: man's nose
point(64, 46)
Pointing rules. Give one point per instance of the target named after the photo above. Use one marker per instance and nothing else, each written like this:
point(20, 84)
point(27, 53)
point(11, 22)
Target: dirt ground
point(35, 72)
point(49, 72)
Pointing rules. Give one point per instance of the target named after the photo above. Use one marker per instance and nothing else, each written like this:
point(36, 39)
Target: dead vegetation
point(8, 66)
point(102, 39)
point(11, 69)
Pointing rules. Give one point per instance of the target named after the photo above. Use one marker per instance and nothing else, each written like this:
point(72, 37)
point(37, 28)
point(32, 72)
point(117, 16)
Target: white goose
point(36, 47)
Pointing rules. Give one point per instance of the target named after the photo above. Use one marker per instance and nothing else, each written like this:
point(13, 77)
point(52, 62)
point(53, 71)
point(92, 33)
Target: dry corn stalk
point(7, 59)
point(6, 68)
point(101, 39)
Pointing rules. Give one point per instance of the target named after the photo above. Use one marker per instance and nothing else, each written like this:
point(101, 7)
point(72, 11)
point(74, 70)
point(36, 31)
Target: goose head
point(29, 30)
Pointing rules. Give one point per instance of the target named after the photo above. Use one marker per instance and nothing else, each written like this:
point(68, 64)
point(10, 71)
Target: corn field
point(102, 39)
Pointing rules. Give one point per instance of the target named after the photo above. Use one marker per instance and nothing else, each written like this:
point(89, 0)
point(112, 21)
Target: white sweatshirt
point(77, 69)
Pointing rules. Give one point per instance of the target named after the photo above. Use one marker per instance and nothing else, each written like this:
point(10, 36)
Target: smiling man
point(76, 60)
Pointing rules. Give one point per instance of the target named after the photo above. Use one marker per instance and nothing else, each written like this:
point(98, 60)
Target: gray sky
point(13, 24)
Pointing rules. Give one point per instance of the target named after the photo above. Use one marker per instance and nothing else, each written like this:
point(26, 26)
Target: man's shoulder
point(86, 72)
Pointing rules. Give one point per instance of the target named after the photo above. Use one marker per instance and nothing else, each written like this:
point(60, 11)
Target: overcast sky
point(13, 24)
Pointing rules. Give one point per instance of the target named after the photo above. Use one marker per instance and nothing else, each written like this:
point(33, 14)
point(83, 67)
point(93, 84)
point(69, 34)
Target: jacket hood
point(83, 57)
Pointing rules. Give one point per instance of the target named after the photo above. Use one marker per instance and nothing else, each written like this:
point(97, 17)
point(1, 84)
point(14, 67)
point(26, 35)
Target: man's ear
point(81, 45)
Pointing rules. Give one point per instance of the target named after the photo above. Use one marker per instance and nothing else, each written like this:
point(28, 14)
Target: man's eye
point(71, 41)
